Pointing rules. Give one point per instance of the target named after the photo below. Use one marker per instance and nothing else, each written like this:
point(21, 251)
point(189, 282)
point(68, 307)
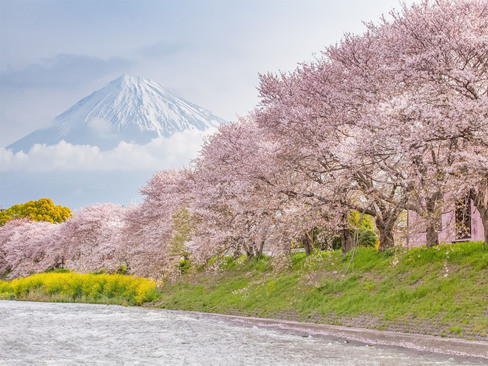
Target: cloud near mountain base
point(161, 153)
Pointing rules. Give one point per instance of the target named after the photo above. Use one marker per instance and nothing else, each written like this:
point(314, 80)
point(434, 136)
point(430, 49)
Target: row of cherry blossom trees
point(391, 120)
point(397, 117)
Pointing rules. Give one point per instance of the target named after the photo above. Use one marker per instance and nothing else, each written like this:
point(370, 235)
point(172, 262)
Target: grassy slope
point(441, 291)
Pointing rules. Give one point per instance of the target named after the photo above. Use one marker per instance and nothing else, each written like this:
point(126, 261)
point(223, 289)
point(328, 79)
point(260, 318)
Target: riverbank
point(56, 333)
point(441, 292)
point(418, 342)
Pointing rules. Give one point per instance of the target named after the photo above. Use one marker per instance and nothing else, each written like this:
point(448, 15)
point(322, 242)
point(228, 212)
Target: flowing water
point(85, 334)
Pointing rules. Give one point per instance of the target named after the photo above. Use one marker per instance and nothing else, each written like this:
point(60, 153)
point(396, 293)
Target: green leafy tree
point(41, 210)
point(364, 228)
point(358, 221)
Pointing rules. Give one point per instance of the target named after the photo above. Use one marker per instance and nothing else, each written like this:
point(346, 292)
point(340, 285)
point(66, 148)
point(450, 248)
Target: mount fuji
point(114, 140)
point(130, 109)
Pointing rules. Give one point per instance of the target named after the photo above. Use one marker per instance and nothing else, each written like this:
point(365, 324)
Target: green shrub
point(367, 238)
point(123, 270)
point(184, 265)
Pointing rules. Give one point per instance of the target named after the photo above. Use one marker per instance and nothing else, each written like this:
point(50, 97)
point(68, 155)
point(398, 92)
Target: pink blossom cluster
point(391, 120)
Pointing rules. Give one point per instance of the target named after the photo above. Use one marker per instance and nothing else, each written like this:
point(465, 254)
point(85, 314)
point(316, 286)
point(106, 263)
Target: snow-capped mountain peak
point(128, 108)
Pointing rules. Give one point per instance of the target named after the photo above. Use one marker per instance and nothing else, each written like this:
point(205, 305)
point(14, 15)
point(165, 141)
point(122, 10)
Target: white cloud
point(101, 127)
point(161, 153)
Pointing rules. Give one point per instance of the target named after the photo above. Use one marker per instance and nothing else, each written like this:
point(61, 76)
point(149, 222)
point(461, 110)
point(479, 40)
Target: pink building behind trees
point(457, 225)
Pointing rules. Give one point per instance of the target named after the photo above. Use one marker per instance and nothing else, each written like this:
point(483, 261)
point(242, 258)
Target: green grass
point(438, 290)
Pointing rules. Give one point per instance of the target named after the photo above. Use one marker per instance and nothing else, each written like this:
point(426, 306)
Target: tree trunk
point(485, 228)
point(307, 244)
point(434, 220)
point(347, 240)
point(249, 252)
point(260, 250)
point(432, 236)
point(386, 237)
point(484, 220)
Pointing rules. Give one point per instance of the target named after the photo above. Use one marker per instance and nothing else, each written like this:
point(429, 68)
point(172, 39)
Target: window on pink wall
point(463, 219)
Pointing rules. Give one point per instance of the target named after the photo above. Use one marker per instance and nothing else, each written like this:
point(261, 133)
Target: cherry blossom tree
point(233, 210)
point(391, 120)
point(28, 246)
point(91, 239)
point(150, 227)
point(438, 49)
point(396, 100)
point(333, 130)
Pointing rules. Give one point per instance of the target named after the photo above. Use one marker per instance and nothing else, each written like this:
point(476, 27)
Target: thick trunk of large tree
point(432, 236)
point(308, 242)
point(435, 221)
point(386, 235)
point(484, 219)
point(347, 240)
point(386, 239)
point(249, 252)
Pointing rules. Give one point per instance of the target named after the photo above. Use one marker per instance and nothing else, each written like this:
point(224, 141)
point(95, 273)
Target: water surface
point(86, 334)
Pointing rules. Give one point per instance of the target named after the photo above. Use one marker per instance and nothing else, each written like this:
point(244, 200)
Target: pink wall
point(477, 231)
point(417, 235)
point(416, 231)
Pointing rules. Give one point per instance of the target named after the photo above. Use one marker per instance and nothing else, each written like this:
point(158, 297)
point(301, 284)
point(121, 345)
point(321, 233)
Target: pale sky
point(210, 52)
point(53, 53)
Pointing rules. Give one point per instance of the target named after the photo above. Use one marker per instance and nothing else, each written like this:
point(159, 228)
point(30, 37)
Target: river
point(34, 333)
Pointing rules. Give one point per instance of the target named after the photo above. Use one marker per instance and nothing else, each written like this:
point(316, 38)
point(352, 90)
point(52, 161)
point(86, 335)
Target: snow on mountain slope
point(131, 109)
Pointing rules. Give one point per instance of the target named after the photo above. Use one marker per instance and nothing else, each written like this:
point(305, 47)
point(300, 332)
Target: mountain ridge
point(131, 109)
